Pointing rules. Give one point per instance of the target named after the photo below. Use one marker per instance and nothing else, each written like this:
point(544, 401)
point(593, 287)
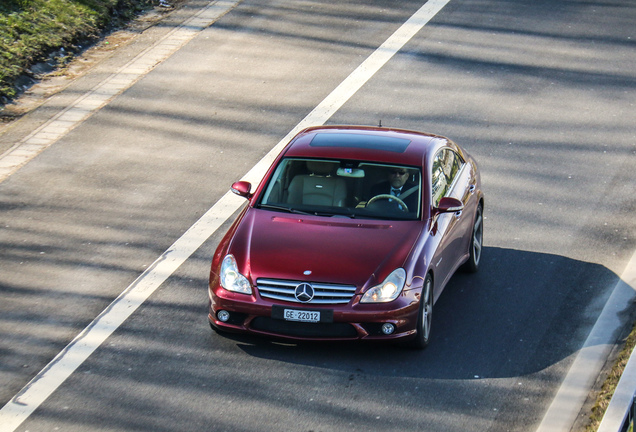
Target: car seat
point(320, 187)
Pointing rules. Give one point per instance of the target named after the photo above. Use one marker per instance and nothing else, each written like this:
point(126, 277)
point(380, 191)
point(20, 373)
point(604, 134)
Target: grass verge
point(31, 31)
point(607, 390)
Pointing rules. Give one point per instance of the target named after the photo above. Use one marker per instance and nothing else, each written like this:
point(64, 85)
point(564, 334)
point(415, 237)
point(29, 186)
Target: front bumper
point(353, 321)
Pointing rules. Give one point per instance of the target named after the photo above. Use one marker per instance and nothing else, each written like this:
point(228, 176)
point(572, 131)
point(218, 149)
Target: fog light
point(388, 328)
point(223, 315)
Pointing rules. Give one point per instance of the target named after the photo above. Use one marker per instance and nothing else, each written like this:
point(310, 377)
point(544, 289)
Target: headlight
point(388, 290)
point(231, 279)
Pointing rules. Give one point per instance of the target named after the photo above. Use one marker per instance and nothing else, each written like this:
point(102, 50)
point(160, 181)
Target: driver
point(397, 184)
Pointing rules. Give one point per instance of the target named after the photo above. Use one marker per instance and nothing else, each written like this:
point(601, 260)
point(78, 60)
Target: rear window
point(370, 142)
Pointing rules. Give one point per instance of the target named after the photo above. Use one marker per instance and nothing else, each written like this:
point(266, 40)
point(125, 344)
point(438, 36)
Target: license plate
point(302, 316)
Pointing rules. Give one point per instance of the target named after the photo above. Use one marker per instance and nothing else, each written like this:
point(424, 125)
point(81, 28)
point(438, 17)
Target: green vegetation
point(30, 30)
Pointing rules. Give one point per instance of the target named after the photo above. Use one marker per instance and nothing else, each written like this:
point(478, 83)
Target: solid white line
point(588, 363)
point(22, 405)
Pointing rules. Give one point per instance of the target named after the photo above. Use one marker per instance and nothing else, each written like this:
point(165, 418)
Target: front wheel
point(476, 242)
point(425, 316)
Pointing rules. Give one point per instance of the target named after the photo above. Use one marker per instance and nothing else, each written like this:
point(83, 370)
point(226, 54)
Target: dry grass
point(607, 391)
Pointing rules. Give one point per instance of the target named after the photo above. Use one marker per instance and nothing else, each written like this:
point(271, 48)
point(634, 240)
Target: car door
point(463, 190)
point(451, 177)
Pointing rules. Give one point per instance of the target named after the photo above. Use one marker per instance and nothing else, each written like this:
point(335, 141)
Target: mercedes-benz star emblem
point(304, 293)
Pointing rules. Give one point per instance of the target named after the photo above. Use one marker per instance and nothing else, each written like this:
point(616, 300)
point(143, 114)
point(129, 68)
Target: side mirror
point(242, 188)
point(449, 205)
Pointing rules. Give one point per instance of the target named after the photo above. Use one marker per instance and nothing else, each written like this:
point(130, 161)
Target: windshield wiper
point(283, 208)
point(305, 212)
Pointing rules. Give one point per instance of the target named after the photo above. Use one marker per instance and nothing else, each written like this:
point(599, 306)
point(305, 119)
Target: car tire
point(476, 242)
point(424, 317)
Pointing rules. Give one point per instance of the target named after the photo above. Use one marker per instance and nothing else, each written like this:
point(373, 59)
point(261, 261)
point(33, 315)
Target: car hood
point(334, 250)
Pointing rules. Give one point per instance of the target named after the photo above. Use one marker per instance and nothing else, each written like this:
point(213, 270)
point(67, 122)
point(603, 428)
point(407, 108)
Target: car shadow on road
point(523, 312)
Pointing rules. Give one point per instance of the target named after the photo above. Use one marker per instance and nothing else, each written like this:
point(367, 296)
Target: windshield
point(344, 188)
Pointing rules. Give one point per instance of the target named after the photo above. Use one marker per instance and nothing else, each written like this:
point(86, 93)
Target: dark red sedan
point(352, 234)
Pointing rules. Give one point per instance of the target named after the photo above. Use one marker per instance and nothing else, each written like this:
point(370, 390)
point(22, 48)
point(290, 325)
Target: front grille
point(307, 330)
point(323, 293)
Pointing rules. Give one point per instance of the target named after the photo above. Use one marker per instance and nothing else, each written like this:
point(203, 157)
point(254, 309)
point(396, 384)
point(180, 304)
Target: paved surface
point(554, 134)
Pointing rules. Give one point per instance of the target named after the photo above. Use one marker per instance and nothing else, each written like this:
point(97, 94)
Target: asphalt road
point(540, 92)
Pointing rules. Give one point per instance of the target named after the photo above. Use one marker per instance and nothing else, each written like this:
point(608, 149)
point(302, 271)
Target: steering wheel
point(404, 207)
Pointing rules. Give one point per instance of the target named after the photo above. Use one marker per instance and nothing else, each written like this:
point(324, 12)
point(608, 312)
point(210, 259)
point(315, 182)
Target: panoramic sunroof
point(371, 142)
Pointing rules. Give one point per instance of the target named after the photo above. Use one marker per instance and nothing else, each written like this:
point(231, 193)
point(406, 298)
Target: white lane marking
point(86, 105)
point(588, 363)
point(22, 405)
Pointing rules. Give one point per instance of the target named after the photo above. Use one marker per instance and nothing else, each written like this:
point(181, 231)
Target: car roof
point(377, 144)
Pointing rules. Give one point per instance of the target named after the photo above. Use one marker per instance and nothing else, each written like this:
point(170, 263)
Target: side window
point(446, 166)
point(439, 184)
point(455, 164)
